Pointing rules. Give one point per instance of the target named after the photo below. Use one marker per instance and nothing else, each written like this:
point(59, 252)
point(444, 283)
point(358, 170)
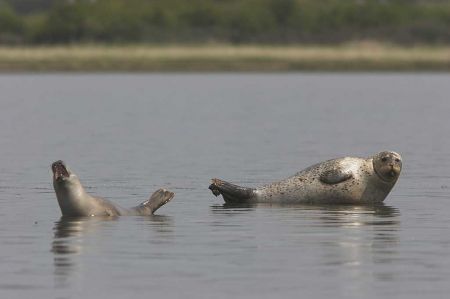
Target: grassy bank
point(362, 56)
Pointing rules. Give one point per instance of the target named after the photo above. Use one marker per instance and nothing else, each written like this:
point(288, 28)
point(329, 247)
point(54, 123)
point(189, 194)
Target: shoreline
point(223, 58)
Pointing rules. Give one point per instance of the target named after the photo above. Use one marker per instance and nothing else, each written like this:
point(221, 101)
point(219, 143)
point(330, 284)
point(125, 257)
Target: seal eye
point(397, 160)
point(384, 159)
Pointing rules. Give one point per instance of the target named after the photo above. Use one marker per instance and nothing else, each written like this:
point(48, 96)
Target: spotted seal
point(74, 201)
point(347, 180)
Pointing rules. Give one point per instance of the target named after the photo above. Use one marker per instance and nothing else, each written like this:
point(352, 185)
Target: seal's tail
point(159, 198)
point(231, 193)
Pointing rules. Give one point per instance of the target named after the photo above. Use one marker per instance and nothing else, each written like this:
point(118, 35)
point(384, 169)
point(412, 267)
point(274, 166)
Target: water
point(127, 135)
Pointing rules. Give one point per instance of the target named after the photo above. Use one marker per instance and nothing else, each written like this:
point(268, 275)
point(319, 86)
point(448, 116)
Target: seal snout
point(214, 187)
point(393, 172)
point(60, 170)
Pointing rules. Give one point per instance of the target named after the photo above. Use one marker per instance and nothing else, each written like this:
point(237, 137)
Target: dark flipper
point(335, 176)
point(159, 198)
point(231, 193)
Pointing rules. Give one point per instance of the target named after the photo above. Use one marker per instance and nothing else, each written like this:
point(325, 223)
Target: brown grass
point(361, 56)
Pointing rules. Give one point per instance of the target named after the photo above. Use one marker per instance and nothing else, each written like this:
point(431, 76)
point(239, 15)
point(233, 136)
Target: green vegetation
point(217, 35)
point(11, 26)
point(226, 21)
point(361, 56)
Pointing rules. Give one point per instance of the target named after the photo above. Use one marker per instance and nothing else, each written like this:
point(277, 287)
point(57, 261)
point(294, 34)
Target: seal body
point(348, 180)
point(75, 201)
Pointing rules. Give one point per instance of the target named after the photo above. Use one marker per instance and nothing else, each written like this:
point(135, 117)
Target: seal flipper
point(231, 193)
point(335, 176)
point(159, 198)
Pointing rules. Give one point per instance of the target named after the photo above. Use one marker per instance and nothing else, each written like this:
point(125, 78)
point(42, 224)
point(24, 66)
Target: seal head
point(387, 165)
point(72, 198)
point(60, 171)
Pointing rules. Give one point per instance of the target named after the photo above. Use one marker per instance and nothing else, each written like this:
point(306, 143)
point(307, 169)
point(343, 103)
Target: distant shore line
point(204, 58)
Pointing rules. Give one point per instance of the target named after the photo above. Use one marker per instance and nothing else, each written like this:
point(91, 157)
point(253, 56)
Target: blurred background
point(364, 25)
point(225, 21)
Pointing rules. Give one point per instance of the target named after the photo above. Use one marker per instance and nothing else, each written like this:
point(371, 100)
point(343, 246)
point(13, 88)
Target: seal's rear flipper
point(231, 193)
point(159, 198)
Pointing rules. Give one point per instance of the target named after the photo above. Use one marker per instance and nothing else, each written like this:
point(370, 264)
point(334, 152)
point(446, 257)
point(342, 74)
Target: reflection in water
point(70, 234)
point(231, 208)
point(349, 240)
point(359, 215)
point(329, 214)
point(159, 223)
point(364, 237)
point(68, 243)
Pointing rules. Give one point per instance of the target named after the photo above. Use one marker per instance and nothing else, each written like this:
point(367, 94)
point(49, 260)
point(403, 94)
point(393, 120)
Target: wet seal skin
point(74, 201)
point(348, 180)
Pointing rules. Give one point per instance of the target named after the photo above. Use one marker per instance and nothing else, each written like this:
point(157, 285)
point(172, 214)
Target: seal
point(74, 201)
point(347, 180)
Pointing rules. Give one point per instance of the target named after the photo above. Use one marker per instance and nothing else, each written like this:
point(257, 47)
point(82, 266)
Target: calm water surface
point(126, 135)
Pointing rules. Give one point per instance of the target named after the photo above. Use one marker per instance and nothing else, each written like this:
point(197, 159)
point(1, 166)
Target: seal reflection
point(361, 239)
point(346, 241)
point(73, 240)
point(67, 244)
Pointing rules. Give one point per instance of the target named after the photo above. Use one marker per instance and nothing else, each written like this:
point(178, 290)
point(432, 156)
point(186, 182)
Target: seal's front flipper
point(159, 198)
point(231, 193)
point(335, 176)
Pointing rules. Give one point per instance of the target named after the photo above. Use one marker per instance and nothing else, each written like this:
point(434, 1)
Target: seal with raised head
point(75, 201)
point(348, 180)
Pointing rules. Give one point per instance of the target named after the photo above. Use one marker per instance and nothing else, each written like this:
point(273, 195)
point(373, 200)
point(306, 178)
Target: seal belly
point(307, 186)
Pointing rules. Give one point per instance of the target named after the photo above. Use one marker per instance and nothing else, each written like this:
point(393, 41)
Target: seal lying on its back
point(74, 201)
point(340, 181)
